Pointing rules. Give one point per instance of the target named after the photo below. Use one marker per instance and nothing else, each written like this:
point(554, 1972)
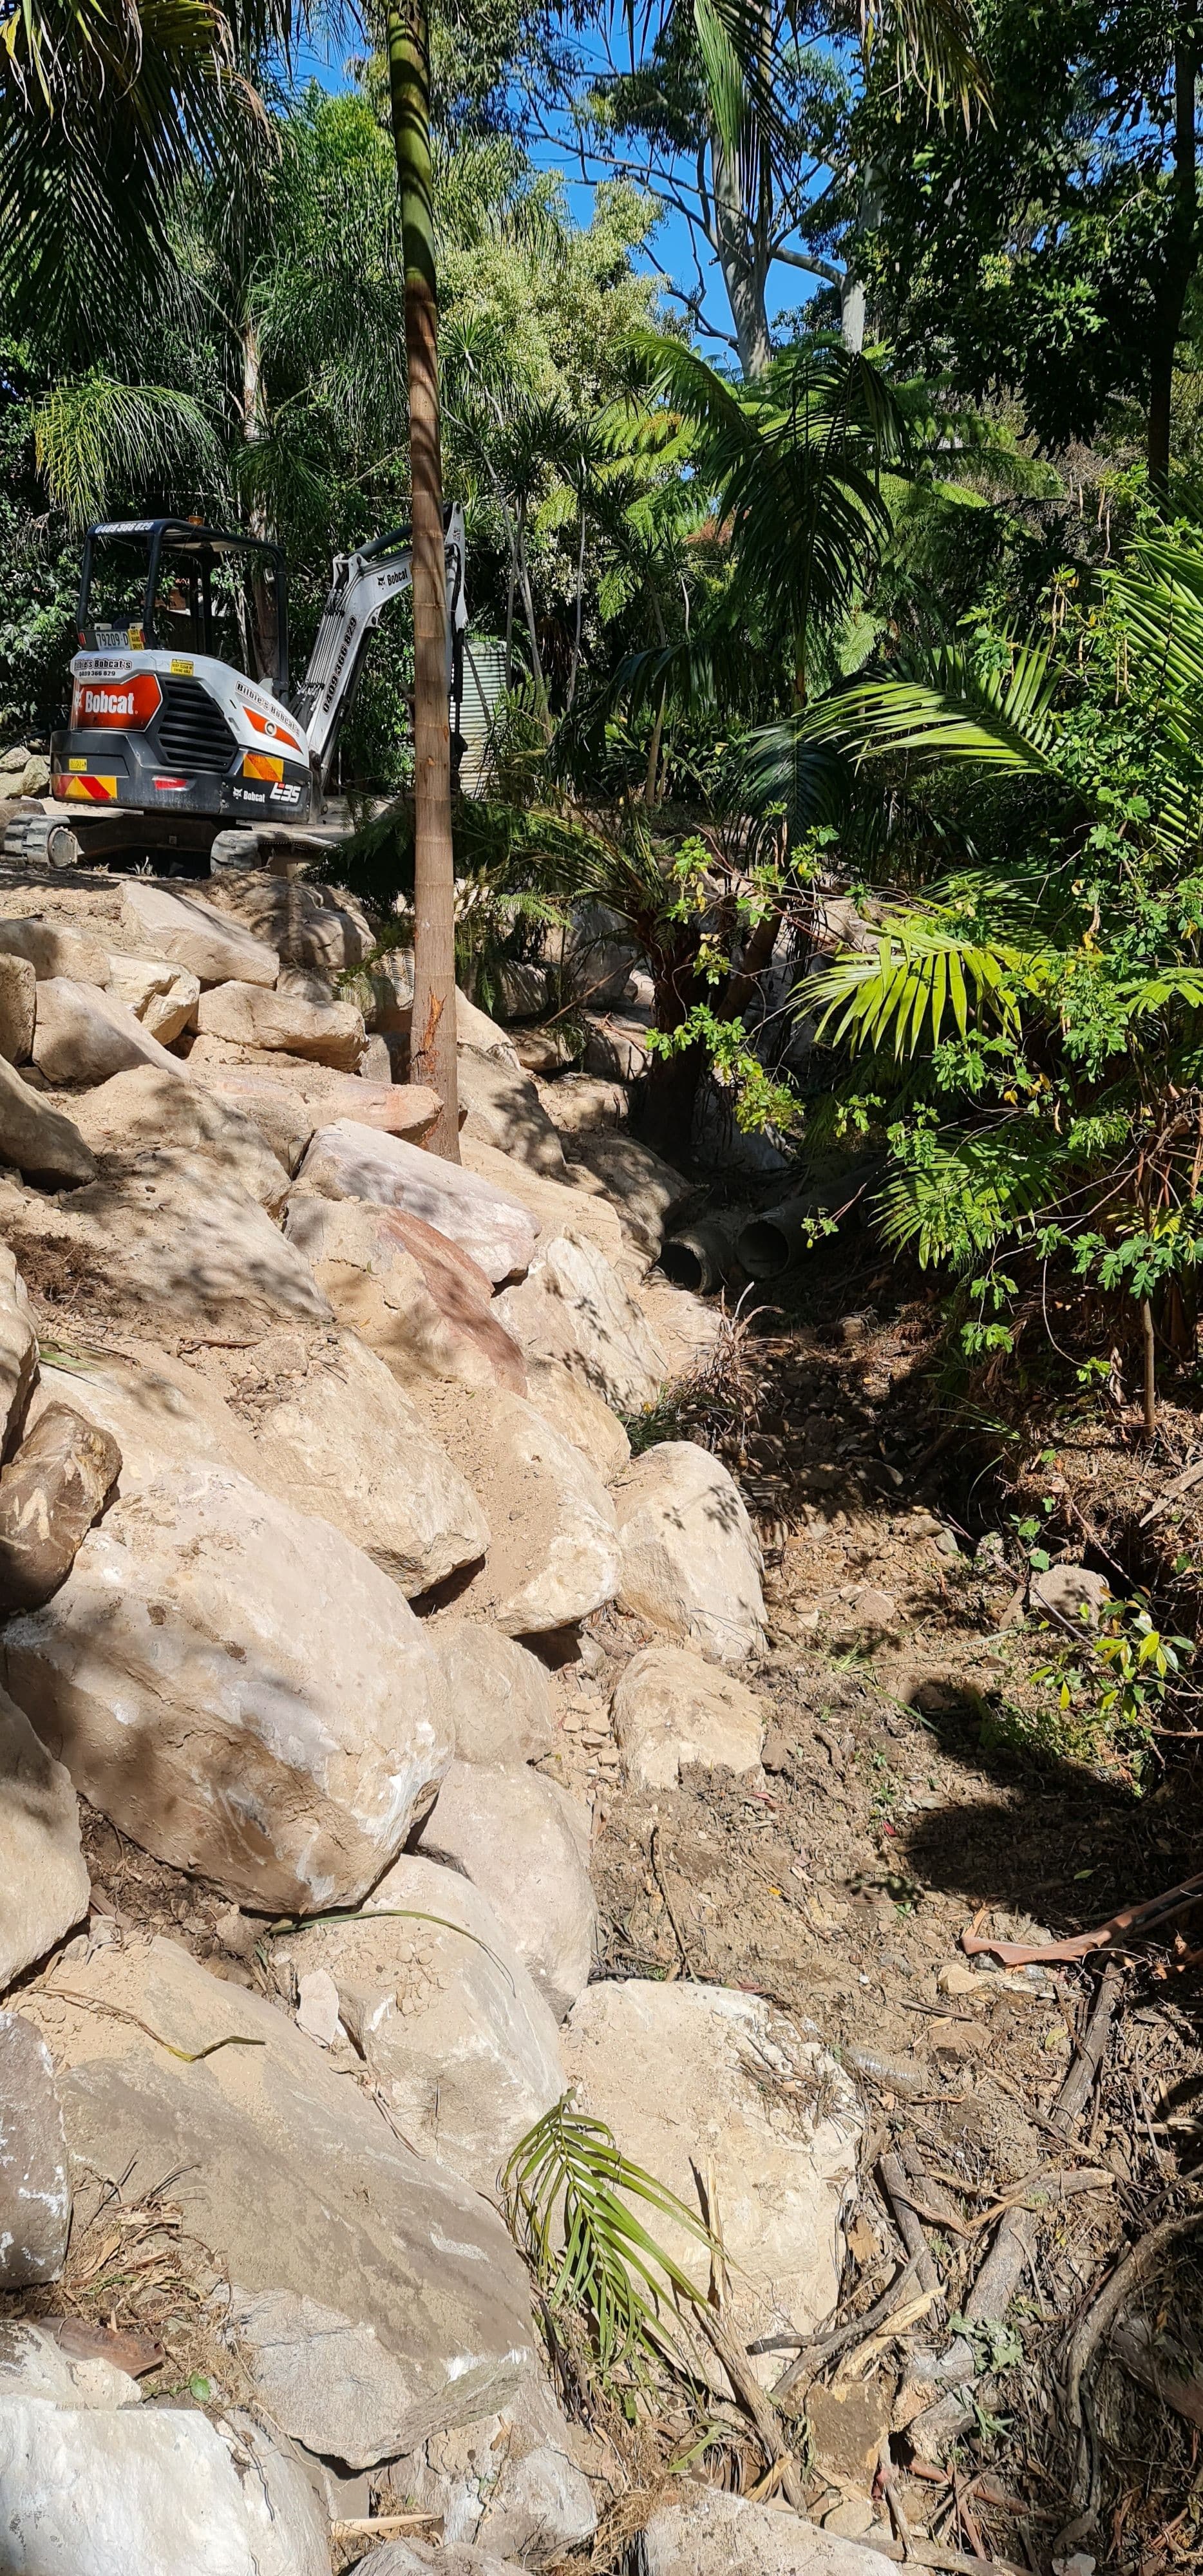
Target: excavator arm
point(362, 586)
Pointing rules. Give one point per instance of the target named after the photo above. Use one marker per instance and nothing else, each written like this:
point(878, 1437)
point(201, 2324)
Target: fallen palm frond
point(572, 2201)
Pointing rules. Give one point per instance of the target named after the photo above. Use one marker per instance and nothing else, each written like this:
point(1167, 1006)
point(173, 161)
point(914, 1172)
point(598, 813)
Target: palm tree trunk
point(432, 1050)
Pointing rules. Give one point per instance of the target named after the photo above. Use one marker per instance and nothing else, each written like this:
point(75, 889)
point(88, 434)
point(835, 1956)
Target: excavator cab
point(186, 744)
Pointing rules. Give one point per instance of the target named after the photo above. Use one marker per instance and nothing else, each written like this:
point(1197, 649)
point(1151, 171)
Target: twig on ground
point(752, 2397)
point(814, 2351)
point(658, 1874)
point(900, 2193)
point(1131, 1918)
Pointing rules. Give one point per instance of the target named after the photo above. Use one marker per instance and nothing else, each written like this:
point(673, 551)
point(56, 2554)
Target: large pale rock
point(347, 1162)
point(302, 2190)
point(151, 2491)
point(50, 1494)
point(37, 1140)
point(239, 1688)
point(647, 1192)
point(168, 1238)
point(361, 1455)
point(476, 1033)
point(554, 1552)
point(507, 2484)
point(162, 996)
point(518, 1839)
point(35, 2191)
point(670, 1710)
point(141, 1111)
point(328, 1033)
point(83, 1035)
point(269, 1086)
point(576, 1204)
point(55, 948)
point(710, 2533)
point(159, 1411)
point(307, 925)
point(44, 1885)
point(504, 1109)
point(18, 1007)
point(691, 1560)
point(422, 2558)
point(384, 991)
point(34, 2363)
point(569, 1403)
point(498, 1693)
point(696, 2077)
point(18, 1351)
point(273, 1103)
point(420, 1301)
point(442, 2008)
point(194, 934)
point(573, 1307)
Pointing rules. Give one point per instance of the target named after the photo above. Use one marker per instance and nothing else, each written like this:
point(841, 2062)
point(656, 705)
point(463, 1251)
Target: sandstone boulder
point(415, 1297)
point(83, 1035)
point(50, 1494)
point(569, 1403)
point(18, 1006)
point(40, 2361)
point(670, 1710)
point(498, 1693)
point(443, 2011)
point(384, 991)
point(55, 948)
point(159, 1412)
point(44, 1886)
point(575, 1204)
point(326, 1032)
point(35, 2192)
point(346, 1162)
point(375, 1064)
point(152, 2491)
point(18, 1351)
point(504, 1109)
point(476, 1032)
point(306, 924)
point(691, 2077)
point(573, 1307)
point(518, 1838)
point(162, 996)
point(691, 1561)
point(37, 1140)
point(277, 1084)
point(239, 1688)
point(361, 1455)
point(711, 2534)
point(273, 1103)
point(141, 1111)
point(648, 1193)
point(169, 1238)
point(554, 1551)
point(1073, 1596)
point(420, 2557)
point(194, 934)
point(304, 2193)
point(509, 2483)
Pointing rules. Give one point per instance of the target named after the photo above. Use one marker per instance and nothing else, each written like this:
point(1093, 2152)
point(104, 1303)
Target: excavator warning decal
point(91, 791)
point(262, 764)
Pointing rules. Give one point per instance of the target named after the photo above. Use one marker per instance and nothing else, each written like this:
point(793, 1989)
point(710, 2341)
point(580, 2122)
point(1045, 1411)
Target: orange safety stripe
point(262, 764)
point(92, 790)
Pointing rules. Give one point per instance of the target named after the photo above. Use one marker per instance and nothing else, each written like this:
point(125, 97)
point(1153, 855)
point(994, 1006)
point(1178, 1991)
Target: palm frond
point(95, 437)
point(936, 47)
point(920, 976)
point(966, 1191)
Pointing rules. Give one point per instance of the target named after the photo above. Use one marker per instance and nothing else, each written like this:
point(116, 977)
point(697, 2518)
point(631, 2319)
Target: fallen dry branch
point(752, 2397)
point(813, 2352)
point(900, 2191)
point(1092, 2326)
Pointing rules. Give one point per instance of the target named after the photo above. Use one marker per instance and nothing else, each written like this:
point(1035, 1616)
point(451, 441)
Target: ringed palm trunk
point(432, 1049)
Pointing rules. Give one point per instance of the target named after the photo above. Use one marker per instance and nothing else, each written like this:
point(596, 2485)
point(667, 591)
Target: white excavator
point(187, 746)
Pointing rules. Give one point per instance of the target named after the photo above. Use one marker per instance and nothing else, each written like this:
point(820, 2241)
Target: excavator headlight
point(126, 705)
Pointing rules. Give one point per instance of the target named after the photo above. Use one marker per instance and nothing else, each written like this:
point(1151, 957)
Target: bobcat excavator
point(187, 745)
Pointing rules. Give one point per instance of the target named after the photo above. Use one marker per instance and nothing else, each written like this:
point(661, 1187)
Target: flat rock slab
point(168, 1239)
point(691, 1561)
point(507, 2484)
point(554, 1551)
point(54, 948)
point(214, 948)
point(35, 2192)
point(300, 2187)
point(498, 1693)
point(244, 1014)
point(260, 1082)
point(574, 1307)
point(575, 1204)
point(345, 1163)
point(146, 1109)
point(436, 1998)
point(711, 2534)
point(83, 1035)
point(159, 994)
point(688, 2076)
point(362, 1456)
point(504, 1109)
point(417, 1299)
point(647, 1192)
point(50, 1494)
point(44, 1889)
point(672, 1710)
point(152, 2491)
point(239, 1688)
point(518, 1839)
point(38, 1141)
point(307, 925)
